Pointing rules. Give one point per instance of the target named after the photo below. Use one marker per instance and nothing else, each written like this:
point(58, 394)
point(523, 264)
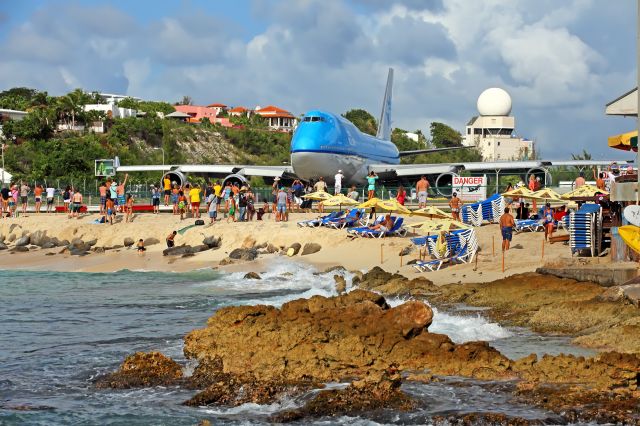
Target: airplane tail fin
point(384, 125)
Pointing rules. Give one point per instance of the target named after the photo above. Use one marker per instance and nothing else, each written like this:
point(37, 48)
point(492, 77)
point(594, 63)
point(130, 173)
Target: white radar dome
point(494, 101)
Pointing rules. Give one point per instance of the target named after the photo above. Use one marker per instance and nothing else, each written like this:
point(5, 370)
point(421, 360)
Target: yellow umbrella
point(439, 225)
point(432, 212)
point(626, 141)
point(522, 192)
point(547, 194)
point(584, 191)
point(340, 200)
point(370, 203)
point(393, 205)
point(318, 196)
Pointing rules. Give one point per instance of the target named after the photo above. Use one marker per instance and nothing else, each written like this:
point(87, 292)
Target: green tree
point(404, 143)
point(443, 136)
point(72, 105)
point(364, 121)
point(585, 155)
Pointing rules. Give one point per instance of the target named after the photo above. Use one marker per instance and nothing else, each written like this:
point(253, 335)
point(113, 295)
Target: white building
point(110, 109)
point(493, 131)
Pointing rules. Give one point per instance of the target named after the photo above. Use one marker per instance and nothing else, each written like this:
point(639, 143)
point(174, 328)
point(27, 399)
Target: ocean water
point(60, 330)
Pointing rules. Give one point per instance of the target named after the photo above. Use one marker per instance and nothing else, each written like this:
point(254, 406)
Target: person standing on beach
point(50, 194)
point(110, 209)
point(421, 188)
point(24, 196)
point(212, 207)
point(66, 198)
point(281, 212)
point(455, 203)
point(232, 209)
point(242, 204)
point(371, 180)
point(182, 204)
point(129, 209)
point(155, 199)
point(321, 185)
point(37, 194)
point(5, 193)
point(401, 196)
point(175, 193)
point(579, 181)
point(102, 191)
point(532, 188)
point(194, 195)
point(76, 204)
point(166, 185)
point(120, 191)
point(337, 188)
point(506, 227)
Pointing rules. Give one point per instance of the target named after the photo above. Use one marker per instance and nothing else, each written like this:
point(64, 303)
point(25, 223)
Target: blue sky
point(560, 61)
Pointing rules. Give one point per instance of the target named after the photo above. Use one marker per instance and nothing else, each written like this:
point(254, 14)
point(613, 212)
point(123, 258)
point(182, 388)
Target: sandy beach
point(355, 254)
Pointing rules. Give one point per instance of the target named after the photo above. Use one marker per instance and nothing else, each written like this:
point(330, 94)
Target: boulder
point(271, 248)
point(177, 251)
point(3, 246)
point(246, 254)
point(48, 245)
point(23, 241)
point(261, 246)
point(341, 283)
point(128, 242)
point(212, 241)
point(225, 261)
point(151, 241)
point(64, 243)
point(252, 276)
point(310, 248)
point(76, 242)
point(19, 249)
point(199, 248)
point(39, 238)
point(12, 238)
point(98, 249)
point(249, 242)
point(293, 249)
point(143, 370)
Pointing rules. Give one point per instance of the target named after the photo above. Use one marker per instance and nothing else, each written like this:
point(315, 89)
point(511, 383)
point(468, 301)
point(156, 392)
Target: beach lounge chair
point(436, 264)
point(528, 225)
point(347, 221)
point(319, 220)
point(585, 229)
point(357, 231)
point(396, 230)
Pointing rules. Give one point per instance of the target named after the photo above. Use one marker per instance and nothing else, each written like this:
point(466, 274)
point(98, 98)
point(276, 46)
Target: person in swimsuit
point(232, 209)
point(383, 226)
point(175, 193)
point(547, 217)
point(77, 203)
point(182, 204)
point(421, 188)
point(371, 180)
point(401, 196)
point(37, 193)
point(506, 226)
point(170, 239)
point(129, 209)
point(110, 209)
point(140, 246)
point(166, 184)
point(102, 191)
point(455, 203)
point(24, 196)
point(120, 190)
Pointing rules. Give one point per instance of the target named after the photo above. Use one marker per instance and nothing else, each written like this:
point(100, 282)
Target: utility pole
point(3, 161)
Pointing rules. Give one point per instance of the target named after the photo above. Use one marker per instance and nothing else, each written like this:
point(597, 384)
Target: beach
point(336, 249)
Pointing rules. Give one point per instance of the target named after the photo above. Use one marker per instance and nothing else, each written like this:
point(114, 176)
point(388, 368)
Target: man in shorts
point(166, 185)
point(455, 203)
point(50, 194)
point(212, 207)
point(24, 196)
point(421, 188)
point(5, 193)
point(281, 212)
point(506, 227)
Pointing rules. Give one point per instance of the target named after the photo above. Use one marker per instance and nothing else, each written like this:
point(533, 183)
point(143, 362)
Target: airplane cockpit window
point(313, 119)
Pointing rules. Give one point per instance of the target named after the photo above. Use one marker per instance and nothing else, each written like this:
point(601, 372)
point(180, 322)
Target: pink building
point(198, 112)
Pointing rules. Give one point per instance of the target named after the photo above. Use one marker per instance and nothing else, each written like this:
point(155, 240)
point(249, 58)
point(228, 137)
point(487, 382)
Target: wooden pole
point(476, 268)
point(542, 257)
point(493, 246)
point(380, 252)
point(401, 260)
point(502, 260)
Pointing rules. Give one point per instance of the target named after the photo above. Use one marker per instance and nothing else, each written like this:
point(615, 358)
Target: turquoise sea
point(60, 330)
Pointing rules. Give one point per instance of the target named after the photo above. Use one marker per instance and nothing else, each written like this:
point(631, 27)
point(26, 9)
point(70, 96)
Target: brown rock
point(293, 249)
point(248, 242)
point(310, 248)
point(252, 276)
point(143, 370)
point(341, 283)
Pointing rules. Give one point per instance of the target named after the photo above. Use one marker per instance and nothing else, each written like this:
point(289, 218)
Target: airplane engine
point(444, 184)
point(235, 178)
point(542, 173)
point(175, 176)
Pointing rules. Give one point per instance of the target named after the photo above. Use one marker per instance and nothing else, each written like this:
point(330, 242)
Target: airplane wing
point(214, 169)
point(431, 150)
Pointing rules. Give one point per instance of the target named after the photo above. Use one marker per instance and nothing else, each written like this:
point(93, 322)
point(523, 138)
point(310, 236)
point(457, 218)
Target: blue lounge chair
point(356, 231)
point(396, 230)
point(347, 221)
point(528, 225)
point(319, 220)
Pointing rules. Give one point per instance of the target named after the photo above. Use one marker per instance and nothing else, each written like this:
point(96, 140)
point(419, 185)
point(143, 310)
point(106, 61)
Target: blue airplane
point(322, 145)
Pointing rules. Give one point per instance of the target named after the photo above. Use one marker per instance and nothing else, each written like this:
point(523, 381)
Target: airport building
point(493, 131)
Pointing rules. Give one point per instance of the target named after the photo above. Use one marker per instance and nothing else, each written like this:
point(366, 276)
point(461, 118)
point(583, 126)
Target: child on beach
point(232, 209)
point(175, 193)
point(129, 208)
point(182, 204)
point(110, 210)
point(140, 246)
point(212, 207)
point(170, 239)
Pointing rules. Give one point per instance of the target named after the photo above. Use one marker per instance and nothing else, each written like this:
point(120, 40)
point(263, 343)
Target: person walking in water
point(506, 227)
point(371, 180)
point(421, 188)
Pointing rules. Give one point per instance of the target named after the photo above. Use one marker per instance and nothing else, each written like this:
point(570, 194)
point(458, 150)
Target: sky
point(561, 61)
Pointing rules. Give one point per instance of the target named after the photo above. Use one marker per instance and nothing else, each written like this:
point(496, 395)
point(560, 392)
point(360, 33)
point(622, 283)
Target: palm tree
point(72, 104)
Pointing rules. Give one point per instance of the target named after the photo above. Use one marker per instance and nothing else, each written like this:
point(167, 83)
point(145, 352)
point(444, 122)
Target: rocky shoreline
point(261, 353)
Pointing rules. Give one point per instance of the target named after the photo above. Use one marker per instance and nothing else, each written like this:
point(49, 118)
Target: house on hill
point(277, 118)
point(218, 107)
point(238, 111)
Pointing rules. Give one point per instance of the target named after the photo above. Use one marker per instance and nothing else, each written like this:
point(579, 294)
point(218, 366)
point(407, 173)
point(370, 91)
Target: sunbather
point(383, 226)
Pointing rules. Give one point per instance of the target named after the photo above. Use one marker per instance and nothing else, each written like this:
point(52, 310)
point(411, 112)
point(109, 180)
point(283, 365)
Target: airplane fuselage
point(324, 143)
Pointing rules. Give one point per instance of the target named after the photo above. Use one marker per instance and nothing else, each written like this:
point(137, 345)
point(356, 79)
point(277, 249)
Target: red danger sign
point(468, 181)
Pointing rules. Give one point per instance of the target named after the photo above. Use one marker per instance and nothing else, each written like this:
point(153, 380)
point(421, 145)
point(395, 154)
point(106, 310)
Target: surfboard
point(632, 214)
point(630, 234)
